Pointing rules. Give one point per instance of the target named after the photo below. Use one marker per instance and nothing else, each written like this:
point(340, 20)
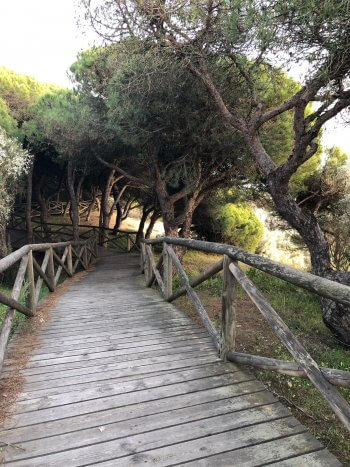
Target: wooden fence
point(324, 379)
point(54, 208)
point(120, 240)
point(39, 264)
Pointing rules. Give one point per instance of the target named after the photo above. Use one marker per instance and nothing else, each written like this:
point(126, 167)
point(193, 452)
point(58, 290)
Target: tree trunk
point(140, 235)
point(42, 203)
point(74, 207)
point(335, 316)
point(29, 204)
point(105, 214)
point(152, 222)
point(118, 218)
point(92, 203)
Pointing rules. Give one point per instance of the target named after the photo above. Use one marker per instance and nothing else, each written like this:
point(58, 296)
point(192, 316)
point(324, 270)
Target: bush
point(235, 224)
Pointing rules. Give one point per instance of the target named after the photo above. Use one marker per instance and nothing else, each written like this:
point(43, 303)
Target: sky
point(41, 38)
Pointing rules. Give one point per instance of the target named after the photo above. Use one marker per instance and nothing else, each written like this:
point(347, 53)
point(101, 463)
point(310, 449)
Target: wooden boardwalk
point(122, 378)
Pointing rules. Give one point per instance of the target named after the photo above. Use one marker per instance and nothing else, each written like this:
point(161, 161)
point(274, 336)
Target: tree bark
point(335, 316)
point(42, 203)
point(74, 206)
point(153, 220)
point(140, 235)
point(118, 218)
point(29, 204)
point(92, 203)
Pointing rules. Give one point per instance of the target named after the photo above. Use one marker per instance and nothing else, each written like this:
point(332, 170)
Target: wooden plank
point(321, 458)
point(194, 438)
point(197, 303)
point(271, 452)
point(123, 399)
point(53, 386)
point(336, 401)
point(169, 350)
point(151, 440)
point(155, 274)
point(244, 395)
point(111, 388)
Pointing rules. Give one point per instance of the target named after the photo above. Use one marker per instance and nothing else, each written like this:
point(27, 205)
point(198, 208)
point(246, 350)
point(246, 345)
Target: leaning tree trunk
point(29, 224)
point(151, 224)
point(335, 316)
point(140, 235)
point(74, 206)
point(118, 218)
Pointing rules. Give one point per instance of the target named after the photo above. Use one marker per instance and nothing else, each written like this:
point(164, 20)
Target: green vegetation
point(236, 224)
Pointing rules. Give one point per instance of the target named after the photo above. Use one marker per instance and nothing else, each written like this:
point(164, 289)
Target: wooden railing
point(324, 379)
point(39, 264)
point(121, 240)
point(54, 208)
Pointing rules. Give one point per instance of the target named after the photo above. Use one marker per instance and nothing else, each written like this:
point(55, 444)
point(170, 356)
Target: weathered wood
point(167, 274)
point(319, 285)
point(10, 314)
point(197, 303)
point(51, 269)
point(228, 313)
point(12, 303)
point(39, 281)
point(142, 257)
point(336, 401)
point(31, 282)
point(42, 271)
point(79, 258)
point(217, 267)
point(155, 274)
point(69, 260)
point(62, 266)
point(92, 398)
point(336, 377)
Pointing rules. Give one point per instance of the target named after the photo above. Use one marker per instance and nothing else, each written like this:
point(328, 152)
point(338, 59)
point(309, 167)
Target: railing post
point(31, 283)
point(142, 257)
point(70, 259)
point(167, 273)
point(228, 314)
point(128, 245)
point(85, 256)
point(148, 266)
point(51, 268)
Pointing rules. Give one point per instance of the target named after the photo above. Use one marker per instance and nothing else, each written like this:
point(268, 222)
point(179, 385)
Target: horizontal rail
point(316, 284)
point(336, 377)
point(12, 258)
point(324, 379)
point(12, 303)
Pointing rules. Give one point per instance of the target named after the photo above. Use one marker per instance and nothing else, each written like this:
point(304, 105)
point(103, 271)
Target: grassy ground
point(301, 311)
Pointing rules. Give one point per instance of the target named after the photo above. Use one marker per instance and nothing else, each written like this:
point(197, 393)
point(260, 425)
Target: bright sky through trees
point(41, 38)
